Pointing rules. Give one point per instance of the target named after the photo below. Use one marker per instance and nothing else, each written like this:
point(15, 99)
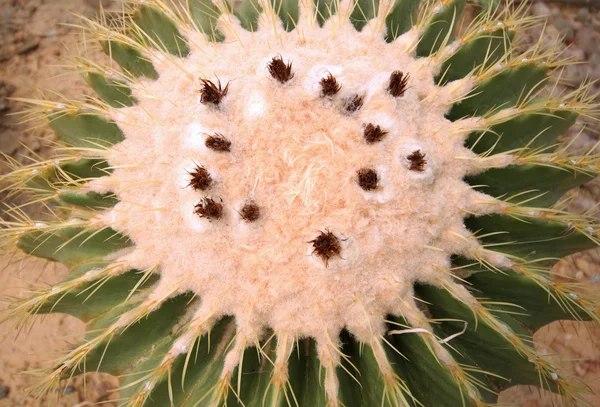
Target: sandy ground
point(34, 37)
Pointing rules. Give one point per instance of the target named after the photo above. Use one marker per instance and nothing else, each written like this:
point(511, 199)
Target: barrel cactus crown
point(331, 203)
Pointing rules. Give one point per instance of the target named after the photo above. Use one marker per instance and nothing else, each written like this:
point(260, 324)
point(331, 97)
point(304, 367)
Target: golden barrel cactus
point(309, 203)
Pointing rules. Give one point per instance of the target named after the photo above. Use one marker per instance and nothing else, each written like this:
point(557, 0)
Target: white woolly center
point(296, 155)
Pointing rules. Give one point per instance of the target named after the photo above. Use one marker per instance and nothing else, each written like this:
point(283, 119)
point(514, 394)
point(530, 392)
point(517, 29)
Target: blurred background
point(35, 36)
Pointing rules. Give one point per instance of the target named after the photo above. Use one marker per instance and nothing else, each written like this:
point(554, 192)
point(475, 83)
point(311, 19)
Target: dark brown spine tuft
point(250, 212)
point(353, 103)
point(398, 83)
point(208, 208)
point(368, 179)
point(326, 246)
point(280, 70)
point(211, 93)
point(417, 161)
point(218, 142)
point(201, 179)
point(329, 86)
point(373, 133)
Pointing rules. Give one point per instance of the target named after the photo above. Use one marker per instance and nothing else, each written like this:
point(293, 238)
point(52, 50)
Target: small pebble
point(4, 391)
point(19, 36)
point(540, 9)
point(583, 15)
point(594, 59)
point(580, 368)
point(564, 27)
point(587, 39)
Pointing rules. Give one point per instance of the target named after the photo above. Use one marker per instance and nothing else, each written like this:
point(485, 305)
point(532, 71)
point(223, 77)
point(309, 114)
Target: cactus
point(329, 203)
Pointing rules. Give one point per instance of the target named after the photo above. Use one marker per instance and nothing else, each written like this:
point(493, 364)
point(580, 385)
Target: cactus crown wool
point(311, 204)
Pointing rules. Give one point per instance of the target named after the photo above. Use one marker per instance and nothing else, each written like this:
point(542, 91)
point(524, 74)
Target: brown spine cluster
point(211, 93)
point(200, 179)
point(208, 208)
point(326, 246)
point(280, 70)
point(398, 83)
point(218, 142)
point(250, 212)
point(329, 86)
point(373, 133)
point(353, 103)
point(367, 179)
point(417, 161)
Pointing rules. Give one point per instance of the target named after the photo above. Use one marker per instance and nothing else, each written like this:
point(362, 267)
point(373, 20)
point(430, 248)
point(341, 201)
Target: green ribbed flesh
point(439, 27)
point(130, 59)
point(480, 345)
point(85, 129)
point(161, 31)
point(70, 245)
point(540, 129)
point(401, 18)
point(114, 92)
point(546, 184)
point(529, 239)
point(505, 89)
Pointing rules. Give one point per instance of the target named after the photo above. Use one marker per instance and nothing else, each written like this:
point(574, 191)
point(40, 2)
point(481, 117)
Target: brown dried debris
point(373, 133)
point(367, 179)
point(208, 208)
point(329, 85)
point(211, 93)
point(280, 70)
point(326, 246)
point(218, 142)
point(417, 161)
point(398, 83)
